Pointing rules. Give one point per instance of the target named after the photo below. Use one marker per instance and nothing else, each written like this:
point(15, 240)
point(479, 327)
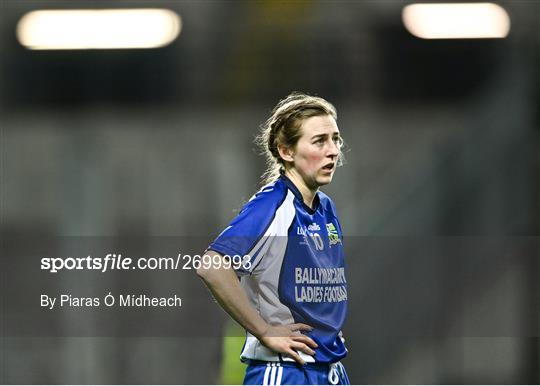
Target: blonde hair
point(283, 128)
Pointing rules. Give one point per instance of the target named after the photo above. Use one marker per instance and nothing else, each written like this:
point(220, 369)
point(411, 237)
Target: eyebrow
point(323, 135)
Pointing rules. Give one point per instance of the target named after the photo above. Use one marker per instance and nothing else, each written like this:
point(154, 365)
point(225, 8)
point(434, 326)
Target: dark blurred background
point(443, 143)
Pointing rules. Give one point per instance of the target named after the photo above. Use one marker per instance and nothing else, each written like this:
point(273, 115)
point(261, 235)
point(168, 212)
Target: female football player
point(286, 247)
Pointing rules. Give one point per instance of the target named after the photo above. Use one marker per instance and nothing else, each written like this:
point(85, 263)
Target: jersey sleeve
point(249, 235)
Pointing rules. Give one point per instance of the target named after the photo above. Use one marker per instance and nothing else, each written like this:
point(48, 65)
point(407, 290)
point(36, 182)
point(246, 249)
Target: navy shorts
point(291, 373)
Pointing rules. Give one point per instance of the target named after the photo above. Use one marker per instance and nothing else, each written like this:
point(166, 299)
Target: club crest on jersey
point(333, 235)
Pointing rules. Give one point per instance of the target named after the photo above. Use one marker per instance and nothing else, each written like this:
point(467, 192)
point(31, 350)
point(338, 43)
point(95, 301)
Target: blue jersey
point(295, 271)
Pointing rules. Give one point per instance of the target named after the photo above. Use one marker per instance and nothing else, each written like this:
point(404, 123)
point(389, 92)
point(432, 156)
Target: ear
point(285, 153)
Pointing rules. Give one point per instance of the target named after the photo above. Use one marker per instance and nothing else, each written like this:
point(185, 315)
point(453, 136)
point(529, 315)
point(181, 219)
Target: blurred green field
point(232, 370)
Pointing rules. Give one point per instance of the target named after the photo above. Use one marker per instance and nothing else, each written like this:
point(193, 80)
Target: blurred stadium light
point(98, 29)
point(456, 21)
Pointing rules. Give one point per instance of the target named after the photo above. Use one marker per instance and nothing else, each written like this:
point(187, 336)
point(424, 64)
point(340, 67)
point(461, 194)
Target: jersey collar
point(296, 192)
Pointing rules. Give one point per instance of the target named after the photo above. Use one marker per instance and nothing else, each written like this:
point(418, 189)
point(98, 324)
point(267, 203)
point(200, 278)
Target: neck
point(308, 194)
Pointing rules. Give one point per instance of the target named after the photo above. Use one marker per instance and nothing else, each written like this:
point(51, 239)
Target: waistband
point(309, 365)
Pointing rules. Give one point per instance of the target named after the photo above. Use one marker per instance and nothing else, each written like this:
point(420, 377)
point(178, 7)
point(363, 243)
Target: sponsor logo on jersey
point(314, 227)
point(333, 235)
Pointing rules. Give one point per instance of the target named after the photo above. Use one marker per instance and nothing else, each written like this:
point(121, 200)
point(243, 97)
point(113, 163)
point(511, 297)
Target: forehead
point(324, 124)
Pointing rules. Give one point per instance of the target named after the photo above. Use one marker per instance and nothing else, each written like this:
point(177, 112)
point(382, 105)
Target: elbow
point(208, 275)
point(203, 273)
point(211, 277)
point(207, 272)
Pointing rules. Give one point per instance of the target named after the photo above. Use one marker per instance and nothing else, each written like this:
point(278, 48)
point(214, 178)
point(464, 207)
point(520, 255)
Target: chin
point(324, 180)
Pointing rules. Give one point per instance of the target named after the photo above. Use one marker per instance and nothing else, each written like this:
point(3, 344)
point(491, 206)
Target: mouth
point(329, 167)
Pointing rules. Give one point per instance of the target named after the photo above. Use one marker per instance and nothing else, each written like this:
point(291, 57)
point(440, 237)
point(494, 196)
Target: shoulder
point(326, 202)
point(268, 198)
point(262, 208)
point(330, 212)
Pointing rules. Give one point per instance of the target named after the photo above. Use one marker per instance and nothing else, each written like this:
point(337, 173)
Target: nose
point(333, 150)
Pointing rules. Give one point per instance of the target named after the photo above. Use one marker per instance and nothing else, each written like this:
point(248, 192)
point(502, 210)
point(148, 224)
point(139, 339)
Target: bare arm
point(226, 288)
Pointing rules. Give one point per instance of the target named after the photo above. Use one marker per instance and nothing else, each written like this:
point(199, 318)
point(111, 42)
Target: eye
point(320, 141)
point(338, 141)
